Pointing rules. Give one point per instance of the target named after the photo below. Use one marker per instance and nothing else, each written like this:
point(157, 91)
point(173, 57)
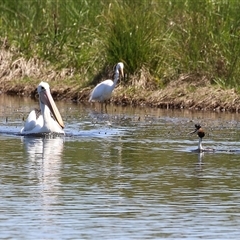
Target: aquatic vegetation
point(168, 38)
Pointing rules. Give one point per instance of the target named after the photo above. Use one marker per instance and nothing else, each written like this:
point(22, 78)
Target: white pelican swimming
point(103, 91)
point(201, 134)
point(49, 120)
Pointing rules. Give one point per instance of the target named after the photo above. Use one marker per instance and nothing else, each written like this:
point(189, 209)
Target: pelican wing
point(33, 121)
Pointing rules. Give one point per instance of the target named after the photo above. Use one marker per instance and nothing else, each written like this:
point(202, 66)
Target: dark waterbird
point(200, 132)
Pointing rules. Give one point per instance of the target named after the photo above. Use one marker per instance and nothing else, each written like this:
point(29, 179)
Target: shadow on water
point(128, 174)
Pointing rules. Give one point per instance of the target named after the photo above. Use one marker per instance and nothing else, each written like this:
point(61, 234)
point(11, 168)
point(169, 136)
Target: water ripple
point(124, 175)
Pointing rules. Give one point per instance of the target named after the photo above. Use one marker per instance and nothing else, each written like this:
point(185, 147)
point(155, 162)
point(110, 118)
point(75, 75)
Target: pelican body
point(103, 91)
point(49, 120)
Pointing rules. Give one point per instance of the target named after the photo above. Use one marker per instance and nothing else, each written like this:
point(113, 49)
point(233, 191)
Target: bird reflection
point(200, 161)
point(44, 161)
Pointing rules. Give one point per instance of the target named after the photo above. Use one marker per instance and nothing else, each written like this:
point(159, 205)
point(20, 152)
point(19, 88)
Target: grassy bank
point(157, 40)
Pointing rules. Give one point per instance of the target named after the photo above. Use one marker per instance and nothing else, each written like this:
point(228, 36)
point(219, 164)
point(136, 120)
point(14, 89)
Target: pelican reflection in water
point(44, 161)
point(46, 121)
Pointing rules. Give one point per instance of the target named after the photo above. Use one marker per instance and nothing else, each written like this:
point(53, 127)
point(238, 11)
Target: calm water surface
point(128, 174)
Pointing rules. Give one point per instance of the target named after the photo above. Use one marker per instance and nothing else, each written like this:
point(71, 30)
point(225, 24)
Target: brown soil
point(20, 77)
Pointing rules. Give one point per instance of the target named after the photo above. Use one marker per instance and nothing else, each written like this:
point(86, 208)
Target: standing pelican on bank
point(103, 91)
point(201, 134)
point(49, 120)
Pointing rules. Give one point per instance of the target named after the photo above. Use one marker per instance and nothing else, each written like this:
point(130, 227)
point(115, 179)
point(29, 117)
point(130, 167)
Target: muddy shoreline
point(20, 77)
point(177, 95)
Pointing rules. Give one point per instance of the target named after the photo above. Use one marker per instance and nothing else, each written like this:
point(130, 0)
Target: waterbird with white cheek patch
point(200, 132)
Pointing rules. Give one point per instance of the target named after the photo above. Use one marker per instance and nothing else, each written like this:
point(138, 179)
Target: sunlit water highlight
point(128, 174)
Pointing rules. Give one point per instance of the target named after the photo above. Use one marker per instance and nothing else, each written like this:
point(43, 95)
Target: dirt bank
point(20, 77)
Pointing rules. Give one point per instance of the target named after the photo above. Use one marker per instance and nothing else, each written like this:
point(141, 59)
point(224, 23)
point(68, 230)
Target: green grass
point(168, 38)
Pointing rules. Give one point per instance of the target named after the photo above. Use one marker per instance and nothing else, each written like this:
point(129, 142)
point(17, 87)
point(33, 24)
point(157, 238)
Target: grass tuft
point(157, 40)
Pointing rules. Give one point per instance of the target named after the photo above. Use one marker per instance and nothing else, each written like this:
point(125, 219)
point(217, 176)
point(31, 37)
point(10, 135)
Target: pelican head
point(45, 98)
